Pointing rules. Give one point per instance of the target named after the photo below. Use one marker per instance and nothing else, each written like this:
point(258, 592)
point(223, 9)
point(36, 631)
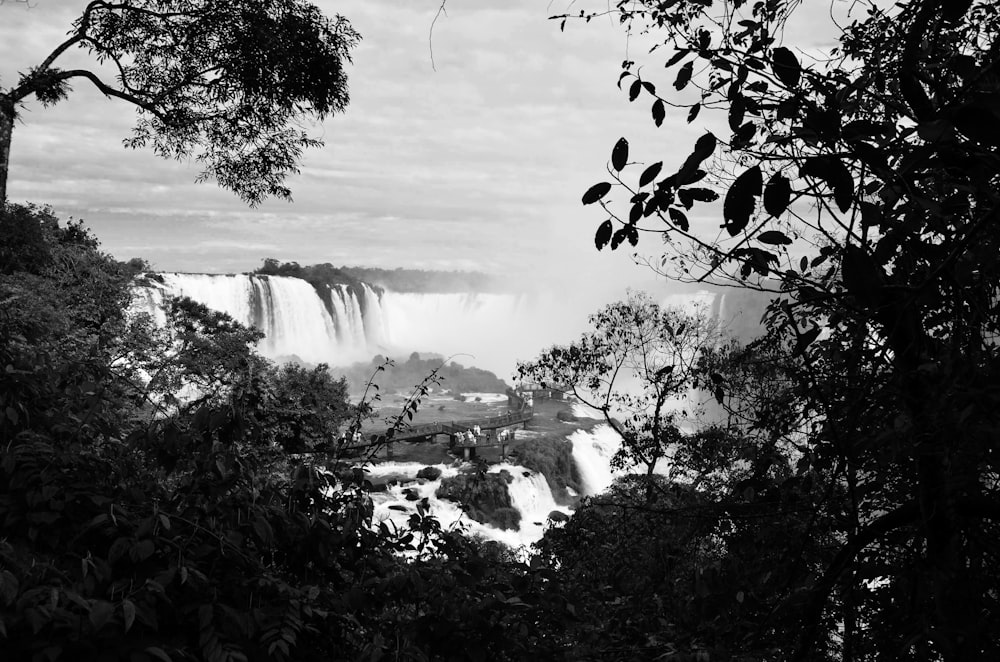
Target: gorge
point(344, 323)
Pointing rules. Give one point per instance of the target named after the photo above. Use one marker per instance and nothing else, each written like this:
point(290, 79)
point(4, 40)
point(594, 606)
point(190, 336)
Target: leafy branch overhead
point(228, 83)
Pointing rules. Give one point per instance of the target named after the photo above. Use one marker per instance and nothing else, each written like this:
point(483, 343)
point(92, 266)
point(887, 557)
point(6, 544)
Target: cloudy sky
point(479, 164)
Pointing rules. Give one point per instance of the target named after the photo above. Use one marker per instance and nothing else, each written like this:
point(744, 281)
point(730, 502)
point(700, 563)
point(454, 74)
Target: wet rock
point(429, 473)
point(558, 516)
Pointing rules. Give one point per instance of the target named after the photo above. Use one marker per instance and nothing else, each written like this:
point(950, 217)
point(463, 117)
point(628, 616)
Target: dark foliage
point(861, 190)
point(143, 525)
point(224, 82)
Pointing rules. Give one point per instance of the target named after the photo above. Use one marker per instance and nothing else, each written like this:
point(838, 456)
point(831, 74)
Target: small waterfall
point(592, 453)
point(531, 496)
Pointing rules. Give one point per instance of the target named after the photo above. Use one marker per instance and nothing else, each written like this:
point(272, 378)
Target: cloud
point(479, 164)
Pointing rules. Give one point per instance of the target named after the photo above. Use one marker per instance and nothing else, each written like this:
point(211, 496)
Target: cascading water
point(529, 493)
point(344, 324)
point(288, 311)
point(592, 453)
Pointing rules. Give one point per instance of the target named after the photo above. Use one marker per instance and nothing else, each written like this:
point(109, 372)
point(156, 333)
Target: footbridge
point(491, 430)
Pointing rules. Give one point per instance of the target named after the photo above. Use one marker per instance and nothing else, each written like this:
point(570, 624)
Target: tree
point(636, 368)
point(862, 190)
point(306, 407)
point(226, 82)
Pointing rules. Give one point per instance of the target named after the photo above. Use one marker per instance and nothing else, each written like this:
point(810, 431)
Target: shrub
point(566, 416)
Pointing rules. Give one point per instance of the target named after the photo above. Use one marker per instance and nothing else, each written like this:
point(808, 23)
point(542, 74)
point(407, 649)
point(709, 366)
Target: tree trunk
point(6, 131)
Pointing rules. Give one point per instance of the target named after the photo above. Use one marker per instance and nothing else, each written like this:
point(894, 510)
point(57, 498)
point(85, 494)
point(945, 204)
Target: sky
point(475, 160)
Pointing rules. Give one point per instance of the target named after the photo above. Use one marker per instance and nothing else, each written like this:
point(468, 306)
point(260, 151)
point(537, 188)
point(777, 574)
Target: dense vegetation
point(142, 525)
point(320, 276)
point(201, 96)
point(397, 280)
point(844, 507)
point(847, 506)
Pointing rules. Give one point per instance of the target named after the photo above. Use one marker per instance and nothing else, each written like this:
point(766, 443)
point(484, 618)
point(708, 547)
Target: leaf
point(804, 264)
point(861, 276)
point(702, 194)
point(836, 175)
point(777, 194)
point(128, 613)
point(158, 653)
point(774, 237)
point(786, 66)
point(679, 219)
point(165, 521)
point(805, 339)
point(693, 113)
point(8, 587)
point(619, 236)
point(262, 528)
point(100, 613)
point(659, 112)
point(740, 200)
point(703, 148)
point(596, 192)
point(635, 213)
point(603, 234)
point(685, 198)
point(684, 76)
point(619, 155)
point(650, 173)
point(634, 89)
point(676, 57)
point(737, 109)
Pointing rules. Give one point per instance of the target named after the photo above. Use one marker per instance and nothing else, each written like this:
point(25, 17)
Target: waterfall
point(592, 453)
point(343, 324)
point(294, 320)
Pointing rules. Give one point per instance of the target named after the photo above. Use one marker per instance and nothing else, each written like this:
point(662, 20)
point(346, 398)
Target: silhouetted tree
point(862, 189)
point(226, 82)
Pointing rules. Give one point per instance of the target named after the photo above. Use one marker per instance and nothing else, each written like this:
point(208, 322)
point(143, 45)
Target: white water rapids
point(529, 491)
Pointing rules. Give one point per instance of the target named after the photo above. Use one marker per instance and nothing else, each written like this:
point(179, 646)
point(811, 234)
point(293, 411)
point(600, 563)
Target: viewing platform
point(456, 431)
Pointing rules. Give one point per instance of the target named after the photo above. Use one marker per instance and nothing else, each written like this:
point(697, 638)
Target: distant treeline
point(403, 375)
point(397, 280)
point(315, 274)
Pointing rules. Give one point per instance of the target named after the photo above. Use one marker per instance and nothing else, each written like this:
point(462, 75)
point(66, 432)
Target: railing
point(522, 414)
